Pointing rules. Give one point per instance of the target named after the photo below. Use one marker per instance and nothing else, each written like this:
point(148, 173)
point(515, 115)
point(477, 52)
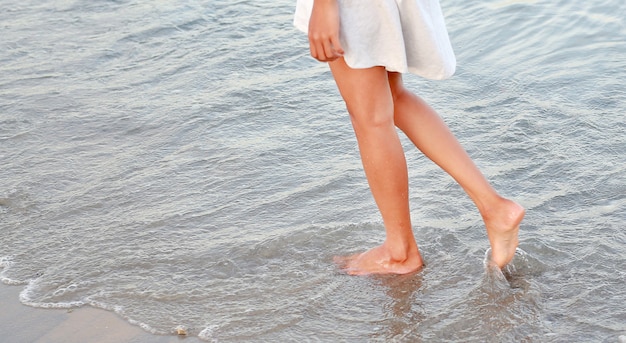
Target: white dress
point(401, 35)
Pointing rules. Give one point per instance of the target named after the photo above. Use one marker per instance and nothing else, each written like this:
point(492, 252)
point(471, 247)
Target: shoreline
point(20, 323)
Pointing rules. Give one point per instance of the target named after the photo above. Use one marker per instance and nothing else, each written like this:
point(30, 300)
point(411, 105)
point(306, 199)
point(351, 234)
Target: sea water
point(187, 164)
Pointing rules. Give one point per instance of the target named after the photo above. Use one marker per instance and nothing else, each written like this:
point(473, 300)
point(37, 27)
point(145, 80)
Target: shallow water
point(187, 164)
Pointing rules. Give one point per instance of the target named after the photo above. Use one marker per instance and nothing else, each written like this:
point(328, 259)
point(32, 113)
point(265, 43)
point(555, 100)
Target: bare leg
point(431, 135)
point(369, 101)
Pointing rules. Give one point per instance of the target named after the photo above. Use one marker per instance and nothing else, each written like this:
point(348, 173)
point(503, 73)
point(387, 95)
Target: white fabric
point(401, 35)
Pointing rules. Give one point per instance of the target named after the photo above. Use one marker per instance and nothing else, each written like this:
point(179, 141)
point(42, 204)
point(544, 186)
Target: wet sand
point(20, 323)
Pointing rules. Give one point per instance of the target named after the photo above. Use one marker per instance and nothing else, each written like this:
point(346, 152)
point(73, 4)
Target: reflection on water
point(403, 309)
point(503, 306)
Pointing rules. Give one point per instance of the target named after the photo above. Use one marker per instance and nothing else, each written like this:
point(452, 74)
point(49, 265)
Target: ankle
point(501, 211)
point(488, 202)
point(399, 251)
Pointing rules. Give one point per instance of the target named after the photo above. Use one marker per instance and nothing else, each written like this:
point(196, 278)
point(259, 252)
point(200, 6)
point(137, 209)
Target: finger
point(317, 51)
point(313, 49)
point(329, 51)
point(317, 48)
point(320, 52)
point(337, 45)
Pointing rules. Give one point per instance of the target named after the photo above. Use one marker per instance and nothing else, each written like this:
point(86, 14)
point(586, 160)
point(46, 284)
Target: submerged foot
point(379, 261)
point(502, 224)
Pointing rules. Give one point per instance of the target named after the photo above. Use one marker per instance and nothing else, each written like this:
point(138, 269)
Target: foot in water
point(379, 261)
point(502, 223)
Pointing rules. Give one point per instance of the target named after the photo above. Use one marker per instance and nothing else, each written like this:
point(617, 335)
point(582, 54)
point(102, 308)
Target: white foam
point(208, 334)
point(144, 326)
point(5, 263)
point(26, 298)
point(119, 310)
point(520, 256)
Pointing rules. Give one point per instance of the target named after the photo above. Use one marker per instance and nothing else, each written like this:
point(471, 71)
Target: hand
point(324, 31)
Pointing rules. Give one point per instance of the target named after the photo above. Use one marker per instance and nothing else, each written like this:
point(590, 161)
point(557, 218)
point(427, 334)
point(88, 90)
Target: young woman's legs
point(377, 102)
point(431, 135)
point(369, 100)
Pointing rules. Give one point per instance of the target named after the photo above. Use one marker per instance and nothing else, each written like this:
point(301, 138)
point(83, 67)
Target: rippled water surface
point(185, 163)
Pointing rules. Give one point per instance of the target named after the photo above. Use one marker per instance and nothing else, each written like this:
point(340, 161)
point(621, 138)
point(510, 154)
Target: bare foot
point(378, 261)
point(502, 223)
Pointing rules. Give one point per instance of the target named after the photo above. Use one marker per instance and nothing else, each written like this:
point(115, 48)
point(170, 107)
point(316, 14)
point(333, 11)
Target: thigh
point(366, 91)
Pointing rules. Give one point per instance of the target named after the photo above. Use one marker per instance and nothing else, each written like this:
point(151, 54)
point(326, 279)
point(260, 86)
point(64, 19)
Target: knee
point(372, 117)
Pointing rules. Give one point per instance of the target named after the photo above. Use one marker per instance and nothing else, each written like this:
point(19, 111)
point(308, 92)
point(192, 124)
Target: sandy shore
point(22, 324)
